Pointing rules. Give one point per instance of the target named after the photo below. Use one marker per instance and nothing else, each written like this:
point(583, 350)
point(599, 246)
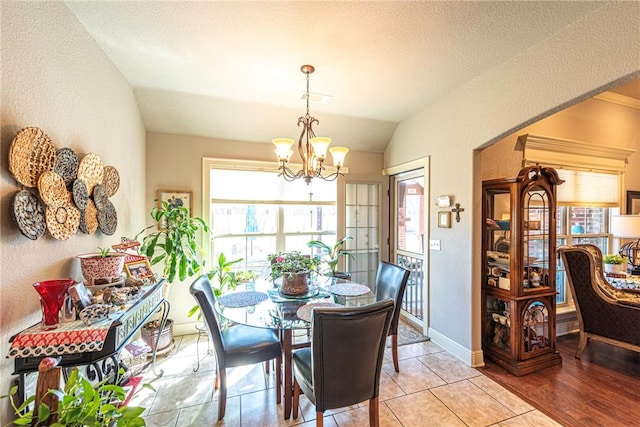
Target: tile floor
point(433, 388)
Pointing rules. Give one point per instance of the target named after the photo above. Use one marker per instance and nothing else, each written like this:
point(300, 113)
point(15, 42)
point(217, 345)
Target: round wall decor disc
point(91, 171)
point(111, 180)
point(52, 189)
point(62, 221)
point(29, 214)
point(100, 197)
point(80, 194)
point(66, 165)
point(31, 153)
point(108, 218)
point(89, 218)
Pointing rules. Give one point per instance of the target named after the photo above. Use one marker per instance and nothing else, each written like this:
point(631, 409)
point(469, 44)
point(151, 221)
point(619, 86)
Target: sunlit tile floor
point(433, 388)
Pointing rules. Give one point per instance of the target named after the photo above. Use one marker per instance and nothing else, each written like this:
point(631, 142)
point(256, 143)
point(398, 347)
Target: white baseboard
point(472, 358)
point(184, 329)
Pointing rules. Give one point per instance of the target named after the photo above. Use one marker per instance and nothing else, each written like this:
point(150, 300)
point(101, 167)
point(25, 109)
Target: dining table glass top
point(260, 303)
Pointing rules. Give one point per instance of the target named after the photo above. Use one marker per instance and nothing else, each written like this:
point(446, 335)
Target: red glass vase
point(52, 293)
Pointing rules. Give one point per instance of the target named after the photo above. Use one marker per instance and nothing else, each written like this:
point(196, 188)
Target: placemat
point(349, 289)
point(304, 312)
point(242, 299)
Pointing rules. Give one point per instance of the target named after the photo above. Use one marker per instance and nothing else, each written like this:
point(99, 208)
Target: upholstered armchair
point(605, 313)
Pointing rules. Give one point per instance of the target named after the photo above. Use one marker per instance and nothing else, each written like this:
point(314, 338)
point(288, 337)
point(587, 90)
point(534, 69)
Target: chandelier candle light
point(312, 148)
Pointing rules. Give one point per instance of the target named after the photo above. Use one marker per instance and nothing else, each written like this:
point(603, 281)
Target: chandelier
point(312, 148)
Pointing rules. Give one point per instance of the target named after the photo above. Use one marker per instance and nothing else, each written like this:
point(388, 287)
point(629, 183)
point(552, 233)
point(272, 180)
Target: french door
point(409, 224)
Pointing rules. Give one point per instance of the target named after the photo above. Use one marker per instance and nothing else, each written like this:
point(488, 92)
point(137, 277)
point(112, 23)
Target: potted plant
point(103, 267)
point(175, 244)
point(224, 279)
point(77, 404)
point(294, 268)
point(614, 263)
point(330, 256)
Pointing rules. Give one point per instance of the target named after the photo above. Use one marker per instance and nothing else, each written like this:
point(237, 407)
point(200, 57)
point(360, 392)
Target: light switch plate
point(434, 245)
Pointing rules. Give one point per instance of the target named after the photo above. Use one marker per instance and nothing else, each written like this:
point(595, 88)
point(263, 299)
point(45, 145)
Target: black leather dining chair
point(391, 281)
point(343, 365)
point(237, 345)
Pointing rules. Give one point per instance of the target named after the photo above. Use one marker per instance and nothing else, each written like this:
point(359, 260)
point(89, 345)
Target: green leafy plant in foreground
point(80, 404)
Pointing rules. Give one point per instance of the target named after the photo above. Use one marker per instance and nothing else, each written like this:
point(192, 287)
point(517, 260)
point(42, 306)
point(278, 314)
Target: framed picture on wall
point(633, 202)
point(444, 219)
point(176, 198)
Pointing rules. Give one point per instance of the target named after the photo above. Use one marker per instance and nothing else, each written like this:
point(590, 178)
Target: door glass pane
point(362, 216)
point(410, 202)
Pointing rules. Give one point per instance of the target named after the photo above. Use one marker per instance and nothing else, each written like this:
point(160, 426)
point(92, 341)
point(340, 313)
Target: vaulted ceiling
point(231, 70)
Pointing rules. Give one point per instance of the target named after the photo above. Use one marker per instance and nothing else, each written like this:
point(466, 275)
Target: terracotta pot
point(294, 284)
point(99, 270)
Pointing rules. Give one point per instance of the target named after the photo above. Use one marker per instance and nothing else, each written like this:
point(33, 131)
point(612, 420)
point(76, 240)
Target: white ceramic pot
point(612, 268)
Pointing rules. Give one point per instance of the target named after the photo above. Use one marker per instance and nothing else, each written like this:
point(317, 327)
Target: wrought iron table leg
point(165, 314)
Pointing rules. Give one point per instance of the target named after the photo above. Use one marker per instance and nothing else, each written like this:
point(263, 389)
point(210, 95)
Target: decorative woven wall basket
point(31, 153)
point(64, 193)
point(62, 221)
point(66, 165)
point(89, 218)
point(29, 214)
point(111, 180)
point(91, 171)
point(53, 191)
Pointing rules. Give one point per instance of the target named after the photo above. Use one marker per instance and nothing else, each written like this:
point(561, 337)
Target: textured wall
point(579, 61)
point(55, 77)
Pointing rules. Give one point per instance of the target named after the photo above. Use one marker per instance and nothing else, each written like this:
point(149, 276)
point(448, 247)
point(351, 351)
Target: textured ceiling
point(232, 69)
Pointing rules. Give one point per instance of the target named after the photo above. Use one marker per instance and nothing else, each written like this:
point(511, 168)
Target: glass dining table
point(260, 304)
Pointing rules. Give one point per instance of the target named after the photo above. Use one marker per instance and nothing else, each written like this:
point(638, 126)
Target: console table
point(91, 347)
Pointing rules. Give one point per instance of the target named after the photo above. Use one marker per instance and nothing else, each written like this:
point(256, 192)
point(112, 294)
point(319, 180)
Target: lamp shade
point(338, 154)
point(320, 145)
point(283, 148)
point(625, 226)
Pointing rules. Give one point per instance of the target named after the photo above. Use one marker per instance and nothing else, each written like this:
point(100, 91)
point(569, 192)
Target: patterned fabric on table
point(69, 338)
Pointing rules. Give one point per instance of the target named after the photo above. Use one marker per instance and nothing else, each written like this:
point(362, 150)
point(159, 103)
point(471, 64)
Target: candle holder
point(52, 294)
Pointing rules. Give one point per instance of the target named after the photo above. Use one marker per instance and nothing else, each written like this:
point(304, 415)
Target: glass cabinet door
point(535, 239)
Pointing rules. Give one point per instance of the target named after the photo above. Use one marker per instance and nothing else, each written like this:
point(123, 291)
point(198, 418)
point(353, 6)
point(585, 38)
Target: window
point(256, 213)
point(577, 225)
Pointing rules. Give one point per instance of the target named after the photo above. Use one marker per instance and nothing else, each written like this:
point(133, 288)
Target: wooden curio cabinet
point(519, 270)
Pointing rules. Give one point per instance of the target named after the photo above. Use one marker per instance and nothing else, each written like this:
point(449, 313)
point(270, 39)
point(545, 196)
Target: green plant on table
point(290, 262)
point(330, 255)
point(243, 276)
point(80, 404)
point(104, 252)
point(614, 259)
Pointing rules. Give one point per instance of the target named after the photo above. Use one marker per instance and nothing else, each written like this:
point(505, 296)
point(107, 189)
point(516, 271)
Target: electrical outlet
point(434, 245)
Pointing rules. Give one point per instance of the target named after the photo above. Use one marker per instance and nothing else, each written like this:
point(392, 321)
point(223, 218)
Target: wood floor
point(601, 389)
